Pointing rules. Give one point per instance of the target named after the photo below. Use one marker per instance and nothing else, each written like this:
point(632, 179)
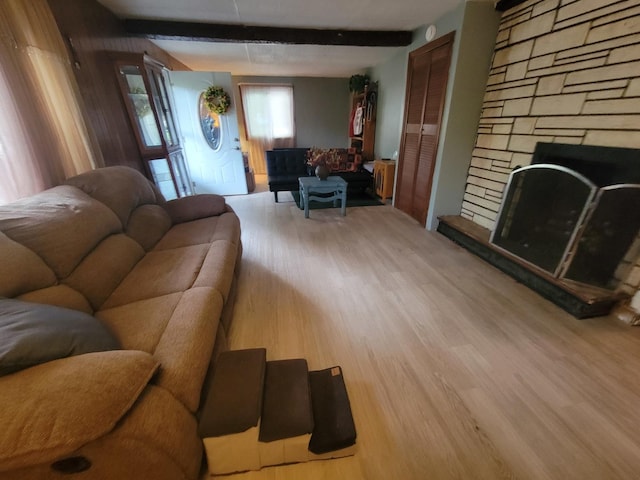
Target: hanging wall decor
point(217, 100)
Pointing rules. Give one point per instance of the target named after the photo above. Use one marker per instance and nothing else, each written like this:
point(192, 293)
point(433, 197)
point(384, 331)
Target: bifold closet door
point(427, 75)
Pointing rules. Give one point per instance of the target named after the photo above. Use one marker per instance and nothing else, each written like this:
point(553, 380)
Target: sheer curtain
point(43, 135)
point(268, 120)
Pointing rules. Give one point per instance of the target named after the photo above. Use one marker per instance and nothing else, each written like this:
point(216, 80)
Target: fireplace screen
point(560, 221)
point(542, 210)
point(608, 235)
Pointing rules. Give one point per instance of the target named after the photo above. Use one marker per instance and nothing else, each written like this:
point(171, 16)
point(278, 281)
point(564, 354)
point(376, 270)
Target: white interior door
point(216, 166)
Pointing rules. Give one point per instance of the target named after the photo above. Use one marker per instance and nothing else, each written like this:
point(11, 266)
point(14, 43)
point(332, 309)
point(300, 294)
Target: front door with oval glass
point(211, 141)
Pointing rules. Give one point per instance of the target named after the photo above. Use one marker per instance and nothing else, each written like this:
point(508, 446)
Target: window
point(268, 111)
point(268, 120)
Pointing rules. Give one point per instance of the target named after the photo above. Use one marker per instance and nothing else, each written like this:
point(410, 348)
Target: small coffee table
point(335, 185)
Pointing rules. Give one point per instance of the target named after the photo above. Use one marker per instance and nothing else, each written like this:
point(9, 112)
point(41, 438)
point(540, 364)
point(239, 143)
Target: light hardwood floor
point(453, 369)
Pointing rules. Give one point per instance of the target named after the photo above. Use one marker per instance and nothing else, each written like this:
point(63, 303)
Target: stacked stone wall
point(563, 71)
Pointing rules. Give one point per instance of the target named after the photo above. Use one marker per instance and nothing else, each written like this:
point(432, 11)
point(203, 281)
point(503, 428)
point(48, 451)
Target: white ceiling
point(278, 59)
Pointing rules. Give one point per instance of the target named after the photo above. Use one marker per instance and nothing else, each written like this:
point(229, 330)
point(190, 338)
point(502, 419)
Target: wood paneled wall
point(93, 34)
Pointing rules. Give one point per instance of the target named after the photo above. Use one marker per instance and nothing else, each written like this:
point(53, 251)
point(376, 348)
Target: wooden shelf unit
point(365, 142)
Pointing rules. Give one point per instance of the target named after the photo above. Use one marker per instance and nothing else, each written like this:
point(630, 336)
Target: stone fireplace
point(574, 213)
point(563, 72)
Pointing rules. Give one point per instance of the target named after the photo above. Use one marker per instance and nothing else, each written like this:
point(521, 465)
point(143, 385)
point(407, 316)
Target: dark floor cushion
point(333, 422)
point(286, 408)
point(234, 401)
point(31, 334)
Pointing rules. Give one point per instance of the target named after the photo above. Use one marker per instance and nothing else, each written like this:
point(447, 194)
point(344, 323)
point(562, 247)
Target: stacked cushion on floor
point(261, 413)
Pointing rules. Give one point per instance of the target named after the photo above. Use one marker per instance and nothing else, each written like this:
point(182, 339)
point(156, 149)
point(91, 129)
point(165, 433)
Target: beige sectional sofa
point(161, 276)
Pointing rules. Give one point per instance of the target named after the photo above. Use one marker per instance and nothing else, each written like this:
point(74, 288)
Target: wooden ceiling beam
point(227, 33)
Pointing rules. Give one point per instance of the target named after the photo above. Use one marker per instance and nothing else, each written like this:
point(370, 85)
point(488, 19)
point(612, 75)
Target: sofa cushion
point(59, 296)
point(104, 268)
point(140, 325)
point(204, 230)
point(179, 330)
point(120, 188)
point(285, 180)
point(148, 224)
point(31, 334)
point(186, 346)
point(217, 268)
point(287, 161)
point(160, 273)
point(22, 269)
point(62, 225)
point(192, 208)
point(53, 409)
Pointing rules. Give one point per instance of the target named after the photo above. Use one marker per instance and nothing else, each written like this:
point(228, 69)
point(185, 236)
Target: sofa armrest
point(53, 409)
point(186, 209)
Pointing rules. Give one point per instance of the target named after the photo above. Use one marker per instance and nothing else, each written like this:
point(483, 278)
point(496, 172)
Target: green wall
point(391, 78)
point(321, 108)
point(468, 80)
point(476, 24)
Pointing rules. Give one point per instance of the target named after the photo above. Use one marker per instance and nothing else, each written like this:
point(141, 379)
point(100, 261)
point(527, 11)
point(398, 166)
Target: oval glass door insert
point(210, 124)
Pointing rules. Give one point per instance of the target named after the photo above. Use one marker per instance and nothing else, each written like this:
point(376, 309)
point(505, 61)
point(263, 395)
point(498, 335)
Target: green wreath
point(217, 100)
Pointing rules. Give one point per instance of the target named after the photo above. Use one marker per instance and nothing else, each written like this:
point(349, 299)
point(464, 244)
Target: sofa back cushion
point(148, 224)
point(60, 296)
point(122, 189)
point(61, 225)
point(102, 270)
point(287, 161)
point(22, 270)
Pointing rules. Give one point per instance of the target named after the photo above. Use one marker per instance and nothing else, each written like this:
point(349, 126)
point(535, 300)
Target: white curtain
point(43, 134)
point(268, 120)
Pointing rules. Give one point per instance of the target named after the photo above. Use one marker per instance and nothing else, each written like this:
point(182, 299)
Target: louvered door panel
point(406, 175)
point(417, 78)
point(424, 174)
point(420, 72)
point(426, 88)
point(434, 105)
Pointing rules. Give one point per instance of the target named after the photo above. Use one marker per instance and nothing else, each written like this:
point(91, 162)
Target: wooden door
point(427, 76)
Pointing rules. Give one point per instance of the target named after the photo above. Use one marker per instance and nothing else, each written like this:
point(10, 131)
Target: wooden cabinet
point(147, 96)
point(383, 176)
point(362, 128)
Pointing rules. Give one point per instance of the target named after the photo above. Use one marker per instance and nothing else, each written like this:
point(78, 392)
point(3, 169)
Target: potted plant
point(357, 83)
